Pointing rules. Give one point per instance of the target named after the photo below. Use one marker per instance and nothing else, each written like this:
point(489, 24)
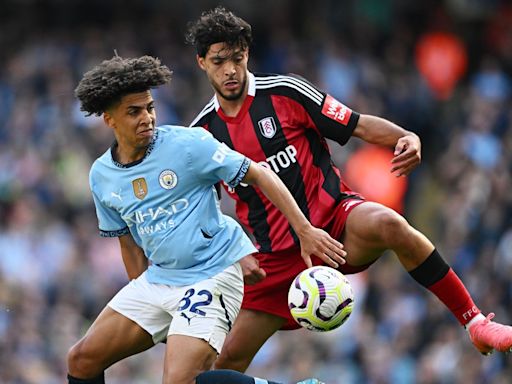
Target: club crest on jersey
point(140, 188)
point(168, 179)
point(267, 127)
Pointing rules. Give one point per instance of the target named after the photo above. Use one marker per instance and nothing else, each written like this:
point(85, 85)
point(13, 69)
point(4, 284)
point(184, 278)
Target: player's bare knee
point(223, 361)
point(177, 375)
point(81, 363)
point(75, 360)
point(229, 360)
point(392, 227)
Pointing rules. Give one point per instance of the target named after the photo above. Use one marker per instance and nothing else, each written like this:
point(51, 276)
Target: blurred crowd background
point(442, 69)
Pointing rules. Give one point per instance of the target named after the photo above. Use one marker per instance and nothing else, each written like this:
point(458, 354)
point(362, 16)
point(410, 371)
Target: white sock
point(474, 320)
point(260, 381)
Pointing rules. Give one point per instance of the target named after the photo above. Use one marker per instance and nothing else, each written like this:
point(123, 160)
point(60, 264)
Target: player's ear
point(108, 119)
point(201, 62)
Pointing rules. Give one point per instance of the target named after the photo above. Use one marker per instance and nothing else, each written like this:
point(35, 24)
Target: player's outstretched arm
point(134, 259)
point(313, 241)
point(406, 144)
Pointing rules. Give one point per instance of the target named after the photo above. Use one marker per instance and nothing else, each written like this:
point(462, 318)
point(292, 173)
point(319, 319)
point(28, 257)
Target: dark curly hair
point(215, 26)
point(105, 85)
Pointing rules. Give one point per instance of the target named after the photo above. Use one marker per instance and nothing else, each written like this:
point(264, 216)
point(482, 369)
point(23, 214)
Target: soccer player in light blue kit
point(154, 190)
point(168, 203)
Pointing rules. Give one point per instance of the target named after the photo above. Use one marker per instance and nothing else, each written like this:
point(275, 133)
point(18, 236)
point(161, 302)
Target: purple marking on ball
point(344, 304)
point(304, 300)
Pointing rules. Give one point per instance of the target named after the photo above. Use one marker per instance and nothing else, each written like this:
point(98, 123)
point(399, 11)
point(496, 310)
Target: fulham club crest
point(267, 127)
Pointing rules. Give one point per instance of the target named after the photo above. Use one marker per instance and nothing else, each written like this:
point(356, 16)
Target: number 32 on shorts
point(195, 301)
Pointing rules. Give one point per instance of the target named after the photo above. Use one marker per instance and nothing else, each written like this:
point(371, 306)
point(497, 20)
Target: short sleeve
point(214, 161)
point(331, 118)
point(110, 222)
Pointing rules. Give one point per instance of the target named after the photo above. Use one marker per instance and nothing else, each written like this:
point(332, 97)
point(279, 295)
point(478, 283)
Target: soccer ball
point(320, 299)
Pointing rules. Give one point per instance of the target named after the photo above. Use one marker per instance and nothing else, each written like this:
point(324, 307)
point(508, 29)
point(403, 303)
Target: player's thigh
point(367, 235)
point(250, 331)
point(111, 338)
point(142, 303)
point(133, 321)
point(185, 358)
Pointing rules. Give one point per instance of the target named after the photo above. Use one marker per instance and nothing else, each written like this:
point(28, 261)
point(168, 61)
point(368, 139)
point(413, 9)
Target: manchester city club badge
point(168, 179)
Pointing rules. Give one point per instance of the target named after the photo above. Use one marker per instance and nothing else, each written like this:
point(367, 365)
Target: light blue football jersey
point(168, 202)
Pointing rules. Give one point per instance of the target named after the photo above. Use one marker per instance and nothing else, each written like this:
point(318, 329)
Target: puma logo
point(186, 317)
point(116, 195)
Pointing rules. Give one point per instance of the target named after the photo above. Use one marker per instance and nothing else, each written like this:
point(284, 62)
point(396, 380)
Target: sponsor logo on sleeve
point(335, 110)
point(220, 154)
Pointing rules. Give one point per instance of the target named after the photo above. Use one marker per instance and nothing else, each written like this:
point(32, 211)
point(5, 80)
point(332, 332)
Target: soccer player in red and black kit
point(282, 122)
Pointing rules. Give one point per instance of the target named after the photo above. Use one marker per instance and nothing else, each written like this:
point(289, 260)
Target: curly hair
point(108, 82)
point(215, 26)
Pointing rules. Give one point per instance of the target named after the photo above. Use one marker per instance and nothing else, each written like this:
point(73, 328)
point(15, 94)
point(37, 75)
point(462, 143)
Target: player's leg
point(372, 228)
point(185, 358)
point(203, 314)
point(264, 310)
point(250, 331)
point(111, 338)
point(188, 357)
point(225, 376)
point(130, 324)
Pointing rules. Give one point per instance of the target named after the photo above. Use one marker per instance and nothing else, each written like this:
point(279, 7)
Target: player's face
point(133, 121)
point(226, 68)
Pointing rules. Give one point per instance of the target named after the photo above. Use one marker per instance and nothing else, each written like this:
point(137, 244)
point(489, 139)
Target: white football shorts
point(205, 310)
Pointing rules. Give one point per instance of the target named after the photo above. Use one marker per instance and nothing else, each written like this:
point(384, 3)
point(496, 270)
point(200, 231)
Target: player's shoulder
point(181, 136)
point(206, 114)
point(102, 161)
point(291, 85)
point(181, 132)
point(100, 167)
point(164, 131)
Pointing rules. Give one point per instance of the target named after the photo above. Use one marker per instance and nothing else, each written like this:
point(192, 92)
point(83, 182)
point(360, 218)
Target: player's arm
point(313, 241)
point(338, 122)
point(406, 144)
point(134, 259)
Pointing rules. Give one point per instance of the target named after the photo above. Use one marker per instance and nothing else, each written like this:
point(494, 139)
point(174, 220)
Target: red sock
point(452, 292)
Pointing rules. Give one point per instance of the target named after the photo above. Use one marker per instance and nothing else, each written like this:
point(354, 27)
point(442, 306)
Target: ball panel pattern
point(320, 299)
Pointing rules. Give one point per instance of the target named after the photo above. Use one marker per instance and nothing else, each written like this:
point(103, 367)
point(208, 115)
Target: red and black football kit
point(282, 125)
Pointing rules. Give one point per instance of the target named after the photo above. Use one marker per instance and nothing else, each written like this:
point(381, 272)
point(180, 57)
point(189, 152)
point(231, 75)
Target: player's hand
point(317, 242)
point(251, 270)
point(407, 155)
